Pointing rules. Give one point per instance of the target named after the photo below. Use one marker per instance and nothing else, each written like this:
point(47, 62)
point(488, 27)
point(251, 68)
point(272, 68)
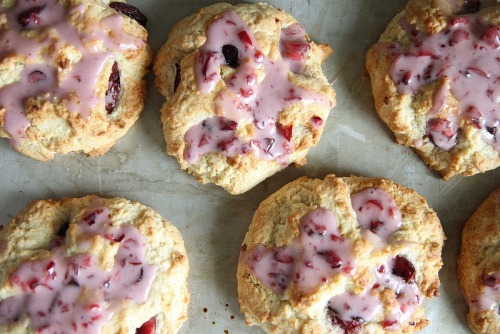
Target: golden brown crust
point(188, 106)
point(480, 257)
point(29, 235)
point(405, 114)
point(276, 223)
point(53, 128)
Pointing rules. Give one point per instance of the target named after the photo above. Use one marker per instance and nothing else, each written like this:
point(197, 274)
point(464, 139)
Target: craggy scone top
point(340, 255)
point(435, 79)
point(479, 266)
point(92, 265)
point(71, 74)
point(245, 92)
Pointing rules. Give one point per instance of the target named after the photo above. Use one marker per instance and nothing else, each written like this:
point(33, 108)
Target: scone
point(434, 76)
point(479, 266)
point(71, 74)
point(340, 255)
point(245, 93)
point(92, 265)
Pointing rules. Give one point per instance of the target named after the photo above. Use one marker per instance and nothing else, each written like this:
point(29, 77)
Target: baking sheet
point(212, 222)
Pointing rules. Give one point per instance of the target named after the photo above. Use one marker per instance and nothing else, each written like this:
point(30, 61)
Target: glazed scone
point(434, 76)
point(71, 74)
point(479, 266)
point(92, 265)
point(340, 255)
point(245, 93)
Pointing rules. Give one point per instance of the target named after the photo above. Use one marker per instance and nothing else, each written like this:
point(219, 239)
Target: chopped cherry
point(177, 79)
point(245, 38)
point(36, 76)
point(130, 11)
point(459, 21)
point(388, 323)
point(286, 131)
point(230, 53)
point(149, 327)
point(349, 327)
point(443, 126)
point(114, 89)
point(281, 257)
point(491, 281)
point(492, 37)
point(227, 125)
point(225, 145)
point(296, 50)
point(332, 258)
point(317, 121)
point(374, 225)
point(458, 36)
point(407, 78)
point(30, 16)
point(404, 269)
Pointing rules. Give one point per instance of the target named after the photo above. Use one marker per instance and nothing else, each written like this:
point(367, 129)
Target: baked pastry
point(340, 255)
point(245, 93)
point(434, 79)
point(479, 266)
point(71, 74)
point(92, 265)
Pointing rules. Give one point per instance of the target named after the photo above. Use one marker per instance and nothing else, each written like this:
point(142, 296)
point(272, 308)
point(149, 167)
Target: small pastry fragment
point(245, 93)
point(340, 255)
point(92, 265)
point(71, 74)
point(479, 266)
point(434, 75)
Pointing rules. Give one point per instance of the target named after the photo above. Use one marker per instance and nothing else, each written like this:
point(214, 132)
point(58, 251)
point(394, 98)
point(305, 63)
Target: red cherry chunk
point(286, 131)
point(149, 327)
point(296, 50)
point(404, 269)
point(492, 37)
point(114, 89)
point(491, 281)
point(245, 38)
point(30, 16)
point(332, 258)
point(130, 11)
point(441, 125)
point(458, 36)
point(349, 327)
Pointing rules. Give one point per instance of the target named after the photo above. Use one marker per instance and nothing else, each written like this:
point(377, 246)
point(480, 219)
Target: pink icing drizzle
point(310, 260)
point(60, 293)
point(490, 294)
point(244, 98)
point(77, 89)
point(376, 211)
point(467, 52)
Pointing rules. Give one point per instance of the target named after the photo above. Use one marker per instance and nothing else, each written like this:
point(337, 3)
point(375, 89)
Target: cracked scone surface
point(316, 245)
point(433, 76)
point(245, 93)
point(71, 75)
point(479, 266)
point(108, 265)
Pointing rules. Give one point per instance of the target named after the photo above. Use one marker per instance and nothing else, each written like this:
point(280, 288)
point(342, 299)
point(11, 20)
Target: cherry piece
point(31, 16)
point(458, 36)
point(349, 327)
point(149, 327)
point(282, 257)
point(491, 281)
point(230, 53)
point(332, 258)
point(492, 37)
point(441, 125)
point(296, 50)
point(36, 76)
point(245, 38)
point(130, 11)
point(286, 131)
point(227, 125)
point(114, 89)
point(404, 269)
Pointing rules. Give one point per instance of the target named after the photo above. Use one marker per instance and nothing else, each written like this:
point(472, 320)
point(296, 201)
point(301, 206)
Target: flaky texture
point(187, 106)
point(30, 236)
point(480, 257)
point(405, 114)
point(276, 222)
point(53, 124)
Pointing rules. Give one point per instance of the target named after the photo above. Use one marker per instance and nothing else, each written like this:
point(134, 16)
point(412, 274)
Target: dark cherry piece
point(30, 16)
point(230, 53)
point(404, 269)
point(349, 327)
point(149, 327)
point(286, 131)
point(130, 11)
point(114, 89)
point(36, 76)
point(177, 79)
point(296, 50)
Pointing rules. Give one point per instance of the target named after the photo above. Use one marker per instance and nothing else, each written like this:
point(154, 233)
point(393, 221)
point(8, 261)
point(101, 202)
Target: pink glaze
point(76, 87)
point(73, 293)
point(489, 297)
point(310, 260)
point(376, 211)
point(245, 99)
point(349, 306)
point(467, 53)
